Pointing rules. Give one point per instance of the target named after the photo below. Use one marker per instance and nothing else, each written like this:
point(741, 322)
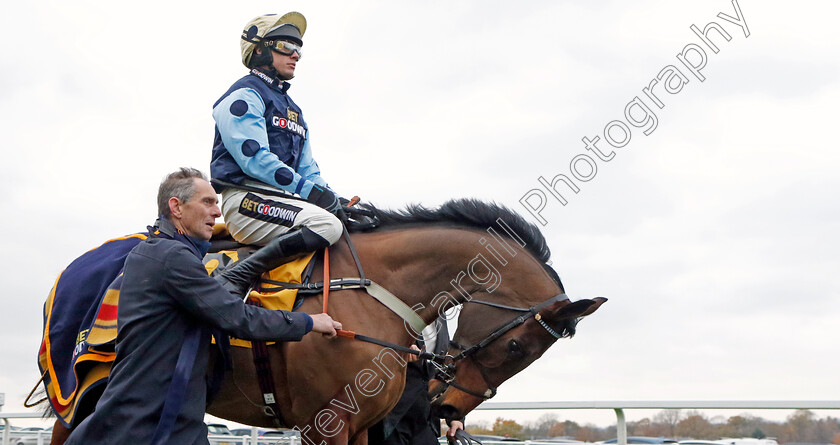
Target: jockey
point(262, 157)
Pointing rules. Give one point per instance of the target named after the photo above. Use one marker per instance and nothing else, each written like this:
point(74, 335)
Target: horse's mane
point(467, 213)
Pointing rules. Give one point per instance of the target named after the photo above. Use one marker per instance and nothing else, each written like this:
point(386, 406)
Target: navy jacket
point(165, 292)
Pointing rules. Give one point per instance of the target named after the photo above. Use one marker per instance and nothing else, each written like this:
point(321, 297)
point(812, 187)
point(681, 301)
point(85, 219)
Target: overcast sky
point(713, 235)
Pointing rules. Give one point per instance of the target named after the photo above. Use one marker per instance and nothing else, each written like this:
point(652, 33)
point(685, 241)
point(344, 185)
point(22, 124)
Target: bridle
point(446, 371)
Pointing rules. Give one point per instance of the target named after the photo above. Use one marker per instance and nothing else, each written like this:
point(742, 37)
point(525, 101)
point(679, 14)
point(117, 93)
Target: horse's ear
point(597, 302)
point(580, 308)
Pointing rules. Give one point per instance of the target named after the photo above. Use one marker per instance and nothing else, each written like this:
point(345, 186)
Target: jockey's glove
point(324, 198)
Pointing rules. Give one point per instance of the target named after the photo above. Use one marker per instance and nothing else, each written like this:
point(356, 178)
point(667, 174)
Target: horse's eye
point(515, 348)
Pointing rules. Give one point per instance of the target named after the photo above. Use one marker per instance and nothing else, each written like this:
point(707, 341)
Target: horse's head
point(493, 343)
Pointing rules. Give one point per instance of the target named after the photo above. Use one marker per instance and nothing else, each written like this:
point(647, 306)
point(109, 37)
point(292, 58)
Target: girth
point(265, 378)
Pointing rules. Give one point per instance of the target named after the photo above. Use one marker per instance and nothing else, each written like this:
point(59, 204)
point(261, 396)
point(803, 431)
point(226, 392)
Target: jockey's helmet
point(270, 27)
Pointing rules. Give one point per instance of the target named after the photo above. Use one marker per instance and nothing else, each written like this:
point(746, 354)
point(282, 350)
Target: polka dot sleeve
point(308, 168)
point(239, 118)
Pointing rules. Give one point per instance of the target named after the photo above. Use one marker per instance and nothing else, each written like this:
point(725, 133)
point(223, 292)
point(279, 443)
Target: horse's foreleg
point(60, 433)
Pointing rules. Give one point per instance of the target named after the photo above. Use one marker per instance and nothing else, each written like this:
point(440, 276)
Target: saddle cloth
point(80, 320)
point(284, 299)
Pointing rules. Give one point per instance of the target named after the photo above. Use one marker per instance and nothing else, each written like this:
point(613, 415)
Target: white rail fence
point(618, 406)
point(7, 433)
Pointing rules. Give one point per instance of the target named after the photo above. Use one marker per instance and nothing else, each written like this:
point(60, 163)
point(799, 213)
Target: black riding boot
point(238, 279)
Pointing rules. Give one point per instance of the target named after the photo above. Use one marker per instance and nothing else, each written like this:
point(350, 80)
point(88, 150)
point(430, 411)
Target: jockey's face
point(197, 216)
point(284, 64)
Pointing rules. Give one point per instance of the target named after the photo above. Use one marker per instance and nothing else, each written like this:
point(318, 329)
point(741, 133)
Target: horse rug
point(80, 321)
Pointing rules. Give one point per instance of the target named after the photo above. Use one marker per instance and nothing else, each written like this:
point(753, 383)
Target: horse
point(483, 257)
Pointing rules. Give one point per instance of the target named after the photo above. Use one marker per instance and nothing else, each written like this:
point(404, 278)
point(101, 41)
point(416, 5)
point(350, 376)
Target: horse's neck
point(438, 268)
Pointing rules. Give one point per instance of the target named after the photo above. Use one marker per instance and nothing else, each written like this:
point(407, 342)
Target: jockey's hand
point(324, 324)
point(342, 215)
point(324, 198)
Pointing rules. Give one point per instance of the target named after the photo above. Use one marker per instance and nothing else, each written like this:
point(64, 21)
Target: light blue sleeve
point(308, 168)
point(241, 123)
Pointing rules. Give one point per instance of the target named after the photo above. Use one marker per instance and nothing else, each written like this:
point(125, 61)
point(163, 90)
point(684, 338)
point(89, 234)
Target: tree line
point(802, 426)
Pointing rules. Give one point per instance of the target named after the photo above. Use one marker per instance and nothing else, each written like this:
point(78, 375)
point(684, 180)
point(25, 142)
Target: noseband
point(446, 373)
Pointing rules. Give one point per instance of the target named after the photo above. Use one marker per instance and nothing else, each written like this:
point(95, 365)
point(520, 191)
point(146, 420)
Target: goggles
point(284, 47)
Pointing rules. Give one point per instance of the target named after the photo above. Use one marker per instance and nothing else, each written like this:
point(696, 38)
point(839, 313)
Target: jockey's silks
point(260, 134)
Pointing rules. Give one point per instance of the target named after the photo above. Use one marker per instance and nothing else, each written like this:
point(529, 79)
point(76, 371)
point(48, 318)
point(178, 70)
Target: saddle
point(277, 289)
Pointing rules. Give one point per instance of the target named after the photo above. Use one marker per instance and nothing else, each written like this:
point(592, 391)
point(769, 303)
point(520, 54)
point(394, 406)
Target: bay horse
point(466, 252)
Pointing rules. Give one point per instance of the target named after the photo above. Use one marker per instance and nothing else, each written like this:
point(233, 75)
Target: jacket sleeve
point(241, 123)
point(187, 281)
point(308, 168)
